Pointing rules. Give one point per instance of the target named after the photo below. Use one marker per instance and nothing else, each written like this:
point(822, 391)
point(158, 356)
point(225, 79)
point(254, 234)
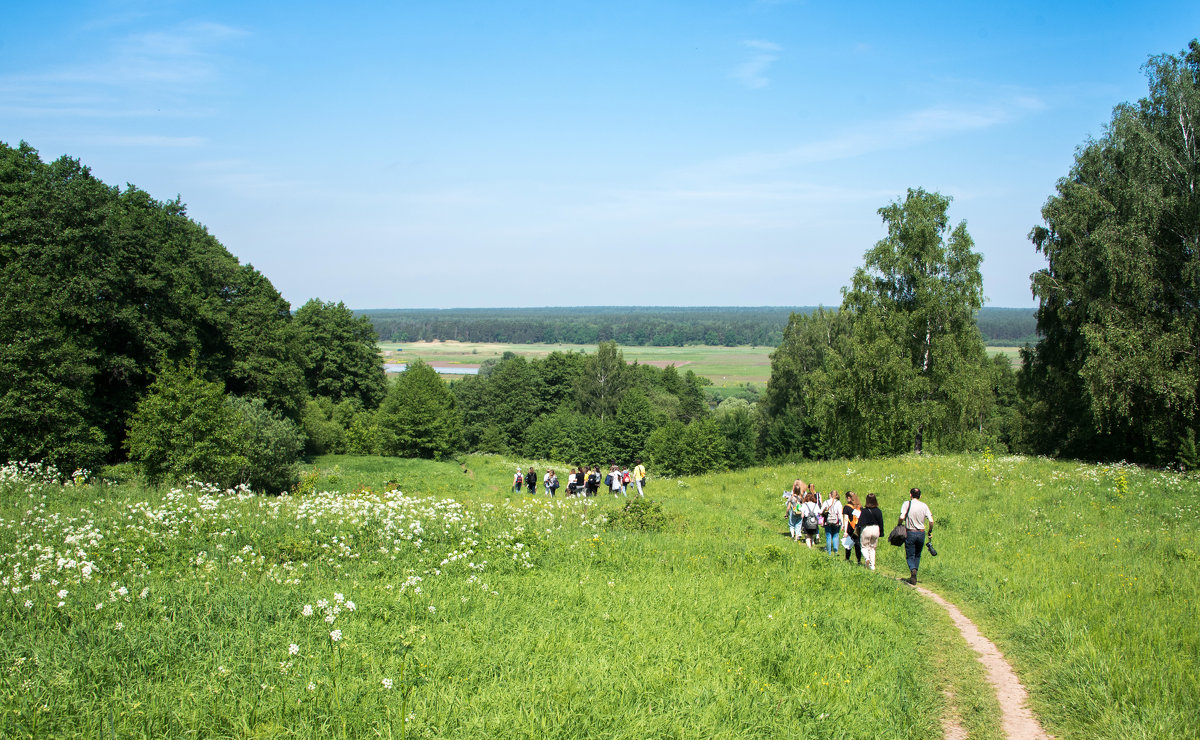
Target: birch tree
point(914, 359)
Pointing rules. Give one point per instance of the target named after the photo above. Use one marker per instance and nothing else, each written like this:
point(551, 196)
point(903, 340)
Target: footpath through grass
point(1084, 575)
point(456, 609)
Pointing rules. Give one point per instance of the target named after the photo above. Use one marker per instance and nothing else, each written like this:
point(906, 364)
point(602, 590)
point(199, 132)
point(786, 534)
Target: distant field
point(724, 366)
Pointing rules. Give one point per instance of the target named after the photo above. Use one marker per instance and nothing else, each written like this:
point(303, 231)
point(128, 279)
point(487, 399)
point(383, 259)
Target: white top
point(917, 514)
point(833, 510)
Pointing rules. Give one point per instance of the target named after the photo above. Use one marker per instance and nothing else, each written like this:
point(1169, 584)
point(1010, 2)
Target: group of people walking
point(854, 524)
point(585, 481)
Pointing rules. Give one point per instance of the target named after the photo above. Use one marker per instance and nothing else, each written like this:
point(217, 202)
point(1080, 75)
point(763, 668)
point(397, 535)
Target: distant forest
point(640, 326)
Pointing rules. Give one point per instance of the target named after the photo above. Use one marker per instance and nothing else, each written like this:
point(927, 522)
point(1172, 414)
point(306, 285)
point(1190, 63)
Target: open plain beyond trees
point(724, 366)
point(412, 598)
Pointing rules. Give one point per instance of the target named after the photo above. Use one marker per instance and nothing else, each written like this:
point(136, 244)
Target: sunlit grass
point(479, 613)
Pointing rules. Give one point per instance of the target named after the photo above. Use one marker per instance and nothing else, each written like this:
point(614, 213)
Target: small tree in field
point(184, 429)
point(418, 418)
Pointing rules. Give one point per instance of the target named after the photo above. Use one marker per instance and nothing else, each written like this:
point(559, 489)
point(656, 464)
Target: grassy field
point(458, 609)
point(724, 366)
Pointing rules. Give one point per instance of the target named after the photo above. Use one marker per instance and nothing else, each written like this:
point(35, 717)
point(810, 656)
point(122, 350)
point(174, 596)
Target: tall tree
point(631, 426)
point(1117, 372)
point(119, 280)
point(339, 354)
point(418, 418)
point(512, 399)
point(914, 301)
point(184, 428)
point(604, 379)
point(796, 384)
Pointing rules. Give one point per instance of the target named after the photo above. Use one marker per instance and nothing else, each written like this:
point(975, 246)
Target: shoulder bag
point(899, 533)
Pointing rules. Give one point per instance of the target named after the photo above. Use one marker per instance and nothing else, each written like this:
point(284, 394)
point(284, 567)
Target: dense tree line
point(1117, 373)
point(595, 408)
point(110, 296)
point(637, 326)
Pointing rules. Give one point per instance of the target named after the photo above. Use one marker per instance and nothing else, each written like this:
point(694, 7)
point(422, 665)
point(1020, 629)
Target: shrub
point(324, 434)
point(640, 513)
point(270, 444)
point(184, 429)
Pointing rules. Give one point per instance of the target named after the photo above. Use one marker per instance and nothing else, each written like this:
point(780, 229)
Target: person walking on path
point(793, 499)
point(917, 519)
point(850, 514)
point(832, 510)
point(639, 477)
point(870, 526)
point(531, 481)
point(810, 512)
point(518, 479)
point(614, 481)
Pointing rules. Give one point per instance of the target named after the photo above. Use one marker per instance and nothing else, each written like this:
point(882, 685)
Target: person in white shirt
point(918, 520)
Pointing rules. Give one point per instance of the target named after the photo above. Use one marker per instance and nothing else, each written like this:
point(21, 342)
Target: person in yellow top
point(639, 477)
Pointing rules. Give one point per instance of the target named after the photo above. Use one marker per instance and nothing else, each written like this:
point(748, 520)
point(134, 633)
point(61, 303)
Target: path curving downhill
point(1017, 720)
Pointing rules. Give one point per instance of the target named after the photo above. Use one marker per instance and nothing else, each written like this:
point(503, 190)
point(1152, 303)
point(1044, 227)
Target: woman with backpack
point(832, 511)
point(870, 527)
point(613, 479)
point(531, 481)
point(850, 514)
point(811, 514)
point(793, 500)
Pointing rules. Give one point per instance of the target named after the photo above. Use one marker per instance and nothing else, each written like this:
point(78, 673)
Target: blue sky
point(456, 154)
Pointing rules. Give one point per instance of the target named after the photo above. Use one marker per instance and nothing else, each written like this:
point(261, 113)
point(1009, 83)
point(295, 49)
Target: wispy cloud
point(884, 134)
point(172, 66)
point(752, 73)
point(149, 141)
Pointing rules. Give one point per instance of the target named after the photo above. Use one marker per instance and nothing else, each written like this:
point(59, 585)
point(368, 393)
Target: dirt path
point(1017, 721)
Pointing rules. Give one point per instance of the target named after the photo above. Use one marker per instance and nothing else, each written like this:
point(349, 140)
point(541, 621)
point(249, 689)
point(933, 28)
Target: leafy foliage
point(271, 445)
point(676, 448)
point(418, 418)
point(902, 363)
point(184, 429)
point(639, 513)
point(1117, 374)
point(99, 283)
point(340, 357)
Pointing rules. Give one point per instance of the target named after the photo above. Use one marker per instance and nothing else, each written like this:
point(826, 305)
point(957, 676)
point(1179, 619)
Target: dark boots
point(913, 578)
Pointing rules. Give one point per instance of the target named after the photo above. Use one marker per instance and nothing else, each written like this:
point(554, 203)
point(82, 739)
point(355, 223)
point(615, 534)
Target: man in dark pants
point(916, 518)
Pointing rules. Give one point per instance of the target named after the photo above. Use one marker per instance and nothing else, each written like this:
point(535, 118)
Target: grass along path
point(422, 599)
point(1017, 720)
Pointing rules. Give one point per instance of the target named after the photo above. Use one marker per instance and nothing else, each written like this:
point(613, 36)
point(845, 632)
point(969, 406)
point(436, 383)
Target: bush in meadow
point(271, 446)
point(184, 429)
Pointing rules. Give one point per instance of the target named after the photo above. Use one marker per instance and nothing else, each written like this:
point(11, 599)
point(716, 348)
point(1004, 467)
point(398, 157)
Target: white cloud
point(752, 72)
point(149, 140)
point(884, 134)
point(173, 66)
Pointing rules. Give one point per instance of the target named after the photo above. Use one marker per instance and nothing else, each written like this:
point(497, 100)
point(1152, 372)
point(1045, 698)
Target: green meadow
point(403, 598)
point(724, 366)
